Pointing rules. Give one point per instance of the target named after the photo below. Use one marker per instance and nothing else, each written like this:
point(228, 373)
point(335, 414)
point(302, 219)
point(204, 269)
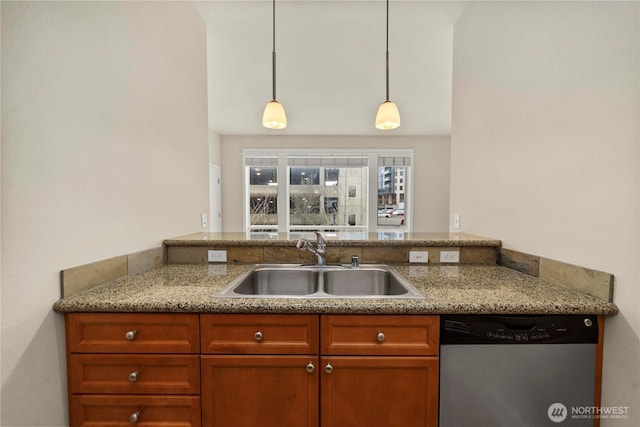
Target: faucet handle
point(320, 240)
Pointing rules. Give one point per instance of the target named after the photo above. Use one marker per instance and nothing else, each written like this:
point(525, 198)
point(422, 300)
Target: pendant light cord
point(273, 53)
point(387, 50)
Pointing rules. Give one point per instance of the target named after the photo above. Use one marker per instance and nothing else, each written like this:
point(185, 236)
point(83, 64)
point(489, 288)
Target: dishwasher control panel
point(547, 329)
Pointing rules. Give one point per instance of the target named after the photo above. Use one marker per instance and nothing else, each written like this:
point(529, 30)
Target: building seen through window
point(326, 192)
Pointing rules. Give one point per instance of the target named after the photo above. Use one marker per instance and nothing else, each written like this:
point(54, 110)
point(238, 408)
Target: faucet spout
point(318, 250)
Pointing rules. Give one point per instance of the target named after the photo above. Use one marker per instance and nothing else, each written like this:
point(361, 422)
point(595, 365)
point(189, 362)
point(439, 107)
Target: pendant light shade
point(388, 116)
point(274, 116)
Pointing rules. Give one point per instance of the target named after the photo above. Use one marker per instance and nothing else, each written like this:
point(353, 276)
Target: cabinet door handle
point(310, 367)
point(258, 336)
point(328, 368)
point(130, 335)
point(380, 337)
point(133, 376)
point(134, 418)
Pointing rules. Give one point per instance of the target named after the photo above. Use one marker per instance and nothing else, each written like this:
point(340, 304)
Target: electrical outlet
point(419, 256)
point(203, 220)
point(450, 256)
point(217, 256)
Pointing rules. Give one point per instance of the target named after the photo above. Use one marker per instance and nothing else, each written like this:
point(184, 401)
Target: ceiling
point(330, 64)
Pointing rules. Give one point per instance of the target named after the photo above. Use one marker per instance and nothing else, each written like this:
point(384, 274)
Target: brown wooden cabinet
point(379, 371)
point(265, 391)
point(125, 369)
point(247, 370)
point(379, 391)
point(373, 370)
point(261, 370)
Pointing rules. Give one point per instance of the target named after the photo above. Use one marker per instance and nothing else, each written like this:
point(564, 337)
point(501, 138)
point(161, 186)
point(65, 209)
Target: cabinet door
point(379, 391)
point(265, 391)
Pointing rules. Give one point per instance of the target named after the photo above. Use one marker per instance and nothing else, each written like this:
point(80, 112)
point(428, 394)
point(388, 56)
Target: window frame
point(283, 194)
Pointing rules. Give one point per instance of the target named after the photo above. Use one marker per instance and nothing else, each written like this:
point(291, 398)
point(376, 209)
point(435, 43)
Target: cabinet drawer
point(113, 411)
point(134, 374)
point(132, 333)
point(259, 334)
point(379, 335)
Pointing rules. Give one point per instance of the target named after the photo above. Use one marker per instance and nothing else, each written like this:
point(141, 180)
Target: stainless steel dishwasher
point(517, 370)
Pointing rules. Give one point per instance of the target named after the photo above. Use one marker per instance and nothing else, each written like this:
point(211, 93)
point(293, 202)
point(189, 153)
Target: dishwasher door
point(517, 371)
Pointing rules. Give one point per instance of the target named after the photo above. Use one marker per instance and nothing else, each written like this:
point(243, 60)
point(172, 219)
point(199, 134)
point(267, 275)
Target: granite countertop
point(391, 238)
point(479, 289)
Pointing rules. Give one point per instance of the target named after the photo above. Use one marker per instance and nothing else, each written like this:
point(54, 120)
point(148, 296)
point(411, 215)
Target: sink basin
point(269, 281)
point(296, 281)
point(363, 281)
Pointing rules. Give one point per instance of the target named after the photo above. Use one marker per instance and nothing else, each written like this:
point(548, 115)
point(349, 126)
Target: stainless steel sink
point(296, 281)
point(269, 281)
point(364, 282)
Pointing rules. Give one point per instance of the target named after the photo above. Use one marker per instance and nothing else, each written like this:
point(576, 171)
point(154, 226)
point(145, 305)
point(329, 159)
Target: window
point(337, 190)
point(263, 185)
point(263, 176)
point(393, 180)
point(304, 176)
point(331, 176)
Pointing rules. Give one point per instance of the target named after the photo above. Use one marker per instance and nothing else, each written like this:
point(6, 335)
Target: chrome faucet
point(318, 250)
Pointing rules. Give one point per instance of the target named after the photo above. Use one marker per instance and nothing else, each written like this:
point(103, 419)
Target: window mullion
point(408, 198)
point(283, 194)
point(372, 185)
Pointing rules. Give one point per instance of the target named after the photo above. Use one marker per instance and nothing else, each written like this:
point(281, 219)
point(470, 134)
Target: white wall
point(431, 171)
point(544, 149)
point(104, 152)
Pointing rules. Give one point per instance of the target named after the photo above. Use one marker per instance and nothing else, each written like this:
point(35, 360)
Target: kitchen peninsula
point(163, 344)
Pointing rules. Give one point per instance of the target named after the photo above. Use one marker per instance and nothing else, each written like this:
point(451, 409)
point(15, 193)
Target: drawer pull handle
point(328, 368)
point(258, 336)
point(133, 377)
point(133, 418)
point(380, 337)
point(310, 368)
point(130, 335)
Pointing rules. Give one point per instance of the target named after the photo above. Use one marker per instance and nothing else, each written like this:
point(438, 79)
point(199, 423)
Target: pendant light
point(274, 116)
point(388, 116)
